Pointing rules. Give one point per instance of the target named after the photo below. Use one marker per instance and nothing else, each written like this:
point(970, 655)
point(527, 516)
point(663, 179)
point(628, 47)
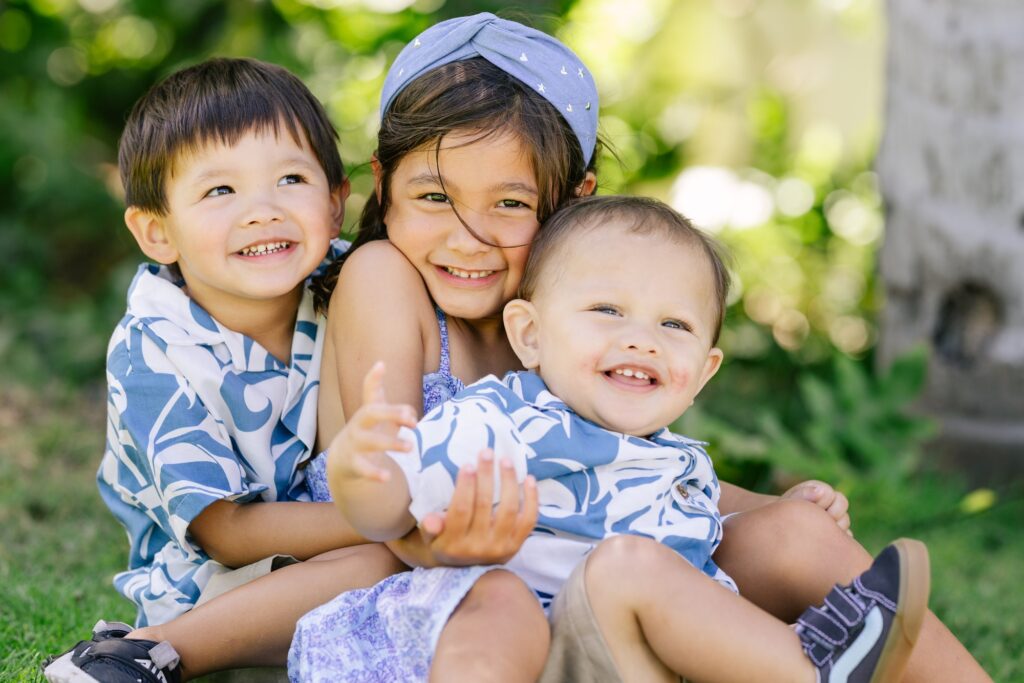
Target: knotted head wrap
point(534, 58)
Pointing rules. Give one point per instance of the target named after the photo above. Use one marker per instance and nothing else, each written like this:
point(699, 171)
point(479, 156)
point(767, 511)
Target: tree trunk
point(951, 167)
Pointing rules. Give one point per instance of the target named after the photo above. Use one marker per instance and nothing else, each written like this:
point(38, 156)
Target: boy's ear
point(711, 366)
point(522, 328)
point(378, 175)
point(338, 197)
point(587, 187)
point(150, 231)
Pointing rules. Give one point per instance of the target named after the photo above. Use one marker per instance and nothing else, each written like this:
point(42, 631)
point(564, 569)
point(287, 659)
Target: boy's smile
point(621, 327)
point(246, 222)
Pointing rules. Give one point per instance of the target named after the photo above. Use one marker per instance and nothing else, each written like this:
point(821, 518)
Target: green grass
point(59, 547)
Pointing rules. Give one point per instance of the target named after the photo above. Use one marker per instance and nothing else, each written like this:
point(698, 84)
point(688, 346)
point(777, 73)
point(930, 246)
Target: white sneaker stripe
point(855, 654)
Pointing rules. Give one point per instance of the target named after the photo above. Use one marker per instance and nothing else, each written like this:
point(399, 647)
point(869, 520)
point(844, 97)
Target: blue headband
point(536, 59)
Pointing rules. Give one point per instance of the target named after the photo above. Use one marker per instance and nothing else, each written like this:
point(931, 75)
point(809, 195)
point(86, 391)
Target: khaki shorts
point(578, 650)
point(229, 580)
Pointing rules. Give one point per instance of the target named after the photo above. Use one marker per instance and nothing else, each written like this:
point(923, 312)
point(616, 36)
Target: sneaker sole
point(915, 579)
point(62, 670)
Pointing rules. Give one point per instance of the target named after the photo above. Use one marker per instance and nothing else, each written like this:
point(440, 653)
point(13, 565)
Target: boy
point(233, 182)
point(622, 302)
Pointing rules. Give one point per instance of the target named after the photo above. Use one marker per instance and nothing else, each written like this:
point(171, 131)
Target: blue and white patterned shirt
point(197, 413)
point(592, 483)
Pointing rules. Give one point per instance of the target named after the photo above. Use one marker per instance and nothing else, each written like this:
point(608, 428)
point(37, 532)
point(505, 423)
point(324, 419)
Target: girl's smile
point(491, 183)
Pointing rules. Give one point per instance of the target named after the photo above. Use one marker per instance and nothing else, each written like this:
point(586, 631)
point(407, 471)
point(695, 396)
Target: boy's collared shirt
point(198, 413)
point(592, 483)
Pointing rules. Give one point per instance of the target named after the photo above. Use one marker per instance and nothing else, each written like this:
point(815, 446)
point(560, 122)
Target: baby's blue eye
point(218, 191)
point(676, 325)
point(291, 179)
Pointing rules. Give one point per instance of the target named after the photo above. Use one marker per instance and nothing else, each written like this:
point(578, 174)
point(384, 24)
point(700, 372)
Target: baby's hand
point(371, 431)
point(826, 497)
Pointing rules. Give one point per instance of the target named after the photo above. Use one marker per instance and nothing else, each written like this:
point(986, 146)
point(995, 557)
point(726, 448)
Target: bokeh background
point(760, 119)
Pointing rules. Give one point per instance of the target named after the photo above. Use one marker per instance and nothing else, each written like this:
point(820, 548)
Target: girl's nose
point(462, 239)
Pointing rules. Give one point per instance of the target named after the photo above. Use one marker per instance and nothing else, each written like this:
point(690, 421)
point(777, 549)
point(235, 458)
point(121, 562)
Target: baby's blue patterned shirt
point(198, 413)
point(592, 483)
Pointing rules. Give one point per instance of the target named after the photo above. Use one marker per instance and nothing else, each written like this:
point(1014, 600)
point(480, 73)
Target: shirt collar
point(532, 390)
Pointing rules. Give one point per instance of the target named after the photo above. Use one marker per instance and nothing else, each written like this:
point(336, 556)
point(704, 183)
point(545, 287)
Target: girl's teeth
point(629, 372)
point(465, 274)
point(263, 249)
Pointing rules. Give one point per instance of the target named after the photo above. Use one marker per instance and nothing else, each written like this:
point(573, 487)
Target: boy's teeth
point(629, 372)
point(263, 249)
point(474, 275)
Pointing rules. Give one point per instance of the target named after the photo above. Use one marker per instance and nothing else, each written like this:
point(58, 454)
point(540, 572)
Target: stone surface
point(951, 169)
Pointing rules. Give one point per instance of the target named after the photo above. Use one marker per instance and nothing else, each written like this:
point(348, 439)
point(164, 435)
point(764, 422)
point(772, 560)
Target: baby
point(619, 312)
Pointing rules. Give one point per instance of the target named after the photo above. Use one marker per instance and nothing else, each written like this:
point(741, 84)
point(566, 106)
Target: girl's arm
point(369, 487)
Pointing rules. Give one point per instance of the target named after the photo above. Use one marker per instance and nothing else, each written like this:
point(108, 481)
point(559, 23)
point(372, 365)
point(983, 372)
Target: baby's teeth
point(628, 372)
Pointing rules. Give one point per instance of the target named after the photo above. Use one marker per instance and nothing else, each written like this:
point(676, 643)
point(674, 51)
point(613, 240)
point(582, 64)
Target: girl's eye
point(218, 191)
point(677, 325)
point(291, 179)
point(512, 204)
point(435, 197)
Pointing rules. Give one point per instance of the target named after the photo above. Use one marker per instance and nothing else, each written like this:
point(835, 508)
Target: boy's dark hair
point(641, 215)
point(218, 100)
point(476, 97)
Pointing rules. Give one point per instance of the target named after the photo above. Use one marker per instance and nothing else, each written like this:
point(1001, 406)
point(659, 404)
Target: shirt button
point(681, 487)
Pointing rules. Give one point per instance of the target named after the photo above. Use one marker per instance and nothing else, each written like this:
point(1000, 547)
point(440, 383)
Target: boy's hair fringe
point(218, 100)
point(476, 97)
point(643, 215)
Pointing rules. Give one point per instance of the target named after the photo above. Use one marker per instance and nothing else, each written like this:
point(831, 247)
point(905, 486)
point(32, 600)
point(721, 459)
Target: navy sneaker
point(109, 657)
point(865, 631)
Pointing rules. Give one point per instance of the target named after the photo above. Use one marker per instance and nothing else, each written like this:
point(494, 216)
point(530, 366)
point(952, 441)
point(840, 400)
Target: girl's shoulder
point(379, 271)
point(381, 301)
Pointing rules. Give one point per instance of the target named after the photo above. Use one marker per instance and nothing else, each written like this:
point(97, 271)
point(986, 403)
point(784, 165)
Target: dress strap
point(444, 368)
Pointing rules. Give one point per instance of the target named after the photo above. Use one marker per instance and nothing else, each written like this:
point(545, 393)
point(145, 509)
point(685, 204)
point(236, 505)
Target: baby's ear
point(150, 231)
point(711, 365)
point(522, 329)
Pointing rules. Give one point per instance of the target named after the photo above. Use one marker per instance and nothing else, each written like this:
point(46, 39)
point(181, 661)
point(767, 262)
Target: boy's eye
point(606, 309)
point(218, 191)
point(291, 179)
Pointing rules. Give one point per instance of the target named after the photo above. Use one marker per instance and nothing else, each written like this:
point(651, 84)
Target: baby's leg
point(787, 555)
point(663, 619)
point(497, 633)
point(253, 624)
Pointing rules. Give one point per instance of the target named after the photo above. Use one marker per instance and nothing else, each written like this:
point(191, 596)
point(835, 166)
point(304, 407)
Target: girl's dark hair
point(643, 215)
point(218, 100)
point(476, 97)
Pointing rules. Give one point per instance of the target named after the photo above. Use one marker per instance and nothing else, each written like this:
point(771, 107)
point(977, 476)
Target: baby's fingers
point(373, 385)
point(373, 441)
point(385, 417)
point(363, 467)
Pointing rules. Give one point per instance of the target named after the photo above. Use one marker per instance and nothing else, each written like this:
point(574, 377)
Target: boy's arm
point(368, 486)
point(237, 534)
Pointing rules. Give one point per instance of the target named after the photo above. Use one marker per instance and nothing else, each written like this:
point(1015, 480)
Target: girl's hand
point(825, 497)
point(371, 431)
point(472, 531)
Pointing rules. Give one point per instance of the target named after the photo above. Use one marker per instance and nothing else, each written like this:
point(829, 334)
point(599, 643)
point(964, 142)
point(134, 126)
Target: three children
point(214, 369)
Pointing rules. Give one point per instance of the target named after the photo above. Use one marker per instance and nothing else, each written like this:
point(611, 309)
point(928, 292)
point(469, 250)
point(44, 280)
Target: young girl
point(487, 126)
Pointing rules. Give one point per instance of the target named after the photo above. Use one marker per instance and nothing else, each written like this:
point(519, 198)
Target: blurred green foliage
point(705, 104)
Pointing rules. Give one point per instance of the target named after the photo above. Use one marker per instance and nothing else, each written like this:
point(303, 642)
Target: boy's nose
point(261, 212)
point(638, 338)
